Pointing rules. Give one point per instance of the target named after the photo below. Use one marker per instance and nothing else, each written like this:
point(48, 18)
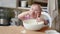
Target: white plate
point(51, 32)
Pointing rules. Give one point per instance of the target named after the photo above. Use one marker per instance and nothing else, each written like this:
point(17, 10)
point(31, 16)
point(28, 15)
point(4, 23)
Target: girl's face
point(35, 10)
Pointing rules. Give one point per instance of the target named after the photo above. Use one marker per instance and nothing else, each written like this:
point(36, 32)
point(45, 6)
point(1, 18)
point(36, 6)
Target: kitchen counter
point(18, 29)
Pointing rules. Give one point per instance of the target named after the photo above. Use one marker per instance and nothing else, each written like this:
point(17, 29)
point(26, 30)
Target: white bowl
point(51, 32)
point(31, 24)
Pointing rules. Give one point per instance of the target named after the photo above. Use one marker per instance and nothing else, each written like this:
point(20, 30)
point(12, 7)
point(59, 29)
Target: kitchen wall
point(53, 8)
point(53, 11)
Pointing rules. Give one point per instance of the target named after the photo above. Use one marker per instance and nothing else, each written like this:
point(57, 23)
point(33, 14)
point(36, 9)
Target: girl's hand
point(39, 19)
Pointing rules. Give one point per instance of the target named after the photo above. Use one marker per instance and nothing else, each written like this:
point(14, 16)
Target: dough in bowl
point(33, 21)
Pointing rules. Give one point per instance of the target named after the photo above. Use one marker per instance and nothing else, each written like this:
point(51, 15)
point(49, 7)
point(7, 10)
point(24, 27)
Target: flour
point(33, 21)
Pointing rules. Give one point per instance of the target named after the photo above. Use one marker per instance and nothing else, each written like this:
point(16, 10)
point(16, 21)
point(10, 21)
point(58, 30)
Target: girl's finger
point(38, 15)
point(38, 19)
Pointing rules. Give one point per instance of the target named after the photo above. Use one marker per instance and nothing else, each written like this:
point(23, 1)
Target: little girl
point(34, 12)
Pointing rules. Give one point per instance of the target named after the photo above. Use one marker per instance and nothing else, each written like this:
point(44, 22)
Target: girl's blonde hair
point(37, 5)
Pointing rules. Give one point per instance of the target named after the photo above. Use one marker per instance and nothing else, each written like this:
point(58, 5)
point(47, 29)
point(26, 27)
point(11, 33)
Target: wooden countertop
point(18, 29)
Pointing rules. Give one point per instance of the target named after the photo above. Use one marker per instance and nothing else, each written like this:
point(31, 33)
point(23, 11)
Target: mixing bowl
point(32, 24)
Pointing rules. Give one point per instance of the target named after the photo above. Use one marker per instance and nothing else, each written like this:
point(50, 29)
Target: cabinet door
point(8, 3)
point(53, 8)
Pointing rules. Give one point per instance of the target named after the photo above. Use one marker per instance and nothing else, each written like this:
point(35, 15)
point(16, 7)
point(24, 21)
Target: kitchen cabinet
point(53, 11)
point(53, 8)
point(43, 1)
point(17, 3)
point(8, 3)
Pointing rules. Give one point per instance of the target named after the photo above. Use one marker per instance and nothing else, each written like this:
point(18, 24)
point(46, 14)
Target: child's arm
point(22, 15)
